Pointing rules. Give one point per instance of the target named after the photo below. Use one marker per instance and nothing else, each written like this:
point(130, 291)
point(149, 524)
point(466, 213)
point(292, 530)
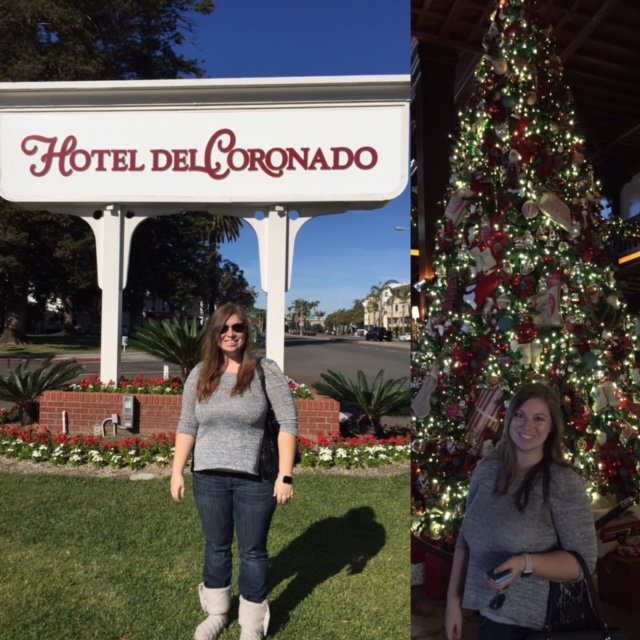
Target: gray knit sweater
point(494, 529)
point(228, 429)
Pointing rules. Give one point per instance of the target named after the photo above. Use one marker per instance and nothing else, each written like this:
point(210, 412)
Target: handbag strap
point(260, 371)
point(594, 600)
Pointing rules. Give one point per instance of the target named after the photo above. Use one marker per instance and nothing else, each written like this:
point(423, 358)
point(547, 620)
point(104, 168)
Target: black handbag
point(269, 459)
point(574, 612)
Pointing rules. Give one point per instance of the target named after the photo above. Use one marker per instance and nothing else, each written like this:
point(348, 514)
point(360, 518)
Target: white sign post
point(116, 153)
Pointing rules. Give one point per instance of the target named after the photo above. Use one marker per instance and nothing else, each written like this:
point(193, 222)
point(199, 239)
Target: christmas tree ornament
point(485, 262)
point(530, 209)
point(547, 307)
point(527, 331)
point(484, 416)
point(457, 205)
point(451, 296)
point(421, 403)
point(513, 171)
point(554, 207)
point(531, 353)
point(500, 66)
point(526, 267)
point(478, 291)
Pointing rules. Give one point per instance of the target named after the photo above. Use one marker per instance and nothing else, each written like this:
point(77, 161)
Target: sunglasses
point(237, 327)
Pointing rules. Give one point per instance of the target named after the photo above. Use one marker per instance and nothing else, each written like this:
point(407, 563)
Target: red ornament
point(497, 111)
point(527, 330)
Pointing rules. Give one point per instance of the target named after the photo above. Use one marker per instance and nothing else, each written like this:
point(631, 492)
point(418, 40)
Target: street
point(306, 357)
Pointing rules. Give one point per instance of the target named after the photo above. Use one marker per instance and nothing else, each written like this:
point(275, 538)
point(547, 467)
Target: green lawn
point(112, 559)
point(51, 345)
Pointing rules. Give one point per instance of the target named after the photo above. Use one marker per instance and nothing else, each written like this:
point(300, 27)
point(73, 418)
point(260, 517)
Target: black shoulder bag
point(574, 612)
point(268, 463)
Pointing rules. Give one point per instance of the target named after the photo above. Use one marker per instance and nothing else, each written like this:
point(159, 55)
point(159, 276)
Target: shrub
point(381, 399)
point(23, 386)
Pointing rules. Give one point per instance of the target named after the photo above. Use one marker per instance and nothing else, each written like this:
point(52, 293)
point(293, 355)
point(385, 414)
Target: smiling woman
point(543, 512)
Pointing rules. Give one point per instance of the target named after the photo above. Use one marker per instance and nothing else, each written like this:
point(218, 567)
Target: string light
point(527, 221)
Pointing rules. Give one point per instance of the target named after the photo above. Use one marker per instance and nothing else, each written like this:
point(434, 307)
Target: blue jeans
point(233, 500)
point(490, 630)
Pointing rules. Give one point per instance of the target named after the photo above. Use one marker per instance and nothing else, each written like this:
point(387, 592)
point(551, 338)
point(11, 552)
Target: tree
point(96, 39)
point(403, 295)
point(232, 286)
point(192, 269)
point(178, 342)
point(376, 300)
point(345, 319)
point(300, 310)
point(523, 289)
point(87, 40)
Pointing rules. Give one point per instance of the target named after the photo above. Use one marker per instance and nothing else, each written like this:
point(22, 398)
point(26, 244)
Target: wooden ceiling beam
point(426, 5)
point(452, 18)
point(578, 39)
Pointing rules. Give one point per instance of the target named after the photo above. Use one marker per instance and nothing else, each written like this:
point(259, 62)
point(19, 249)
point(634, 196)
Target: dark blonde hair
point(214, 360)
point(553, 451)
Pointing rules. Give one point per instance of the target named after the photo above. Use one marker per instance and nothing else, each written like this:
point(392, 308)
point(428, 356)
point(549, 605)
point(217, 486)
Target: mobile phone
point(500, 576)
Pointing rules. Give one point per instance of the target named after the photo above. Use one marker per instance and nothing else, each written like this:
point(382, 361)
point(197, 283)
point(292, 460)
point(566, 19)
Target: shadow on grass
point(322, 551)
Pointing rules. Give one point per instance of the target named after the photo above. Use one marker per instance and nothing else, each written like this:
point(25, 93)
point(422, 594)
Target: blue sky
point(337, 257)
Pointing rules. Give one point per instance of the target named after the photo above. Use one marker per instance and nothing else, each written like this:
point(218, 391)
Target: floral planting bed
point(157, 405)
point(44, 446)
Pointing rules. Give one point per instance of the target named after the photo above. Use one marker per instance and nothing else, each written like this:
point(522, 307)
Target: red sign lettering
point(220, 157)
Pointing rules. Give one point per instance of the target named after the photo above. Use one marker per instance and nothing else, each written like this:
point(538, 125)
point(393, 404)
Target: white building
point(390, 309)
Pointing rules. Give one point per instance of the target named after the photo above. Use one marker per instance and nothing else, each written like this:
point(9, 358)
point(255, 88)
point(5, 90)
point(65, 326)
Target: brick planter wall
point(157, 414)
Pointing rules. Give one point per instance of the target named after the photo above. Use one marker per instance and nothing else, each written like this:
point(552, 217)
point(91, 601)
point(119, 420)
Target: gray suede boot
point(254, 619)
point(216, 603)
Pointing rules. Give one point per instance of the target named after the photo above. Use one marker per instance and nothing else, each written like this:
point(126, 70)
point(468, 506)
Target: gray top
point(228, 429)
point(494, 529)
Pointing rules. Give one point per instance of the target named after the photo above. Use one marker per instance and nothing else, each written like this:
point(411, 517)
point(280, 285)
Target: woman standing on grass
point(222, 423)
point(527, 509)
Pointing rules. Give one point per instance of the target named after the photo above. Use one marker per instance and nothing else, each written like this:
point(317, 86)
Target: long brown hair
point(213, 358)
point(553, 452)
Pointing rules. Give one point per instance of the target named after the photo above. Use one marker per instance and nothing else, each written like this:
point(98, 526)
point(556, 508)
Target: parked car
point(404, 337)
point(360, 333)
point(379, 334)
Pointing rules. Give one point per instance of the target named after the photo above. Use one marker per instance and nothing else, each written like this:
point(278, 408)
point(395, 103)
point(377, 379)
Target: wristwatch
point(285, 479)
point(528, 565)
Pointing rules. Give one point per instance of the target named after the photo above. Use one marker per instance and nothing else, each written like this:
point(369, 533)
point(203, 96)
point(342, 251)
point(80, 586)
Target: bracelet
point(528, 565)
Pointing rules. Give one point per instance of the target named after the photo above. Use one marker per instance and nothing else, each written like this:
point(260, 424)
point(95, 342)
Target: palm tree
point(302, 309)
point(403, 295)
point(381, 399)
point(377, 292)
point(24, 387)
point(175, 341)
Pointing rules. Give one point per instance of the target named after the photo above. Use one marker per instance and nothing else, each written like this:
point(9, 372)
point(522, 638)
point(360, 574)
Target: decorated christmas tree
point(524, 289)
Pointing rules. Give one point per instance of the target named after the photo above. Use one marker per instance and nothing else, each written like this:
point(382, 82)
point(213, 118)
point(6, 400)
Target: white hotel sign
point(223, 150)
point(115, 153)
